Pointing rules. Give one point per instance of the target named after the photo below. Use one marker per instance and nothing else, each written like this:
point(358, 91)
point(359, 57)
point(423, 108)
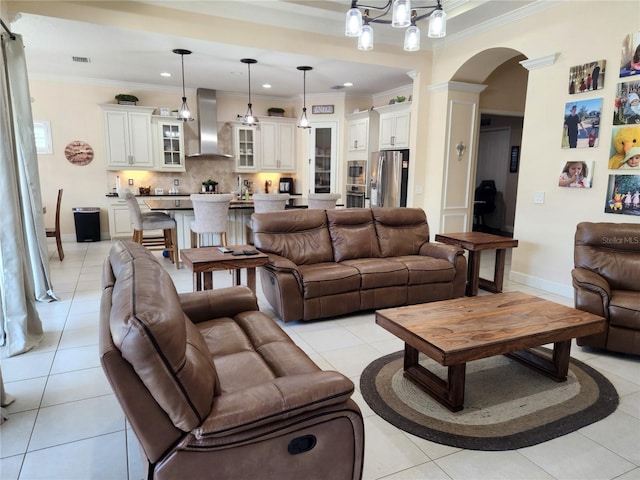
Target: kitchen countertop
point(186, 204)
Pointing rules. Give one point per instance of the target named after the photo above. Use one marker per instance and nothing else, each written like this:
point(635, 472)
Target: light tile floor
point(66, 423)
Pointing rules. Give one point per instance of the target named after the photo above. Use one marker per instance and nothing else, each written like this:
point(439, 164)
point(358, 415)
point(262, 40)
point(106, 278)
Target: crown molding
point(457, 87)
point(540, 62)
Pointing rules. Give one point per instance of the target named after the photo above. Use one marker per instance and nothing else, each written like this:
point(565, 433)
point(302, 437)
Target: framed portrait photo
point(587, 77)
point(576, 174)
point(581, 128)
point(630, 55)
point(627, 103)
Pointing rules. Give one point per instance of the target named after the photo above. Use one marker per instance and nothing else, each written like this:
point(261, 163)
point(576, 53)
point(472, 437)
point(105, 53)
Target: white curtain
point(24, 265)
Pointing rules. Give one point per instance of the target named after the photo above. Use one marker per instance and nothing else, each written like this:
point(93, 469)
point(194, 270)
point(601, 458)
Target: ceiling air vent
point(81, 59)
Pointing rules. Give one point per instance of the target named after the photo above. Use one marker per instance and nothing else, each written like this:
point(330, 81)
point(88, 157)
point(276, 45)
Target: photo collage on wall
point(623, 190)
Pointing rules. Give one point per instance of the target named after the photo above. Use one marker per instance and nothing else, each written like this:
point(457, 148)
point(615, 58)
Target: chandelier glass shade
point(404, 14)
point(249, 119)
point(303, 122)
point(184, 113)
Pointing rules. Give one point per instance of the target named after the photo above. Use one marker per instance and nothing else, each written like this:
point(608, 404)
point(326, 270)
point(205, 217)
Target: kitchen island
point(238, 220)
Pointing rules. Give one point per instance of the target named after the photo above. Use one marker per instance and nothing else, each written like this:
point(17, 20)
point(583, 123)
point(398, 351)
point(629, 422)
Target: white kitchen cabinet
point(277, 153)
point(394, 126)
point(323, 153)
point(358, 134)
point(245, 148)
point(168, 144)
point(128, 138)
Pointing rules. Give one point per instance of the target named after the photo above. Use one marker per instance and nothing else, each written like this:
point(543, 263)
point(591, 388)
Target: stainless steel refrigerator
point(388, 176)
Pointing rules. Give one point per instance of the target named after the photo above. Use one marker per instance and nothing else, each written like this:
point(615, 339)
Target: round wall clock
point(79, 153)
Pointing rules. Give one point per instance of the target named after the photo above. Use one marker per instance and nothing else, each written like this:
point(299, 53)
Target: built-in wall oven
point(356, 183)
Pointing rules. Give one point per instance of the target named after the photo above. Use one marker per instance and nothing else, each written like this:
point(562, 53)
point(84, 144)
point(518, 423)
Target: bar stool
point(153, 221)
point(323, 201)
point(211, 212)
point(269, 202)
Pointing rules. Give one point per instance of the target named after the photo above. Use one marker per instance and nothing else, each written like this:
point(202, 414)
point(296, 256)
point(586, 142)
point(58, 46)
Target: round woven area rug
point(506, 405)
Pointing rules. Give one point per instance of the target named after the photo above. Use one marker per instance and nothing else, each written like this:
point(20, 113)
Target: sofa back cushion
point(152, 333)
point(353, 234)
point(401, 231)
point(300, 235)
point(612, 250)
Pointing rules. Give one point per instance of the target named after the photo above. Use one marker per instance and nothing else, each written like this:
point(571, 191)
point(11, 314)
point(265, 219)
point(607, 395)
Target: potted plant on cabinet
point(124, 99)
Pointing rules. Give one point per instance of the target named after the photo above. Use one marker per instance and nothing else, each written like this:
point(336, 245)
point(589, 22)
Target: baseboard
point(541, 284)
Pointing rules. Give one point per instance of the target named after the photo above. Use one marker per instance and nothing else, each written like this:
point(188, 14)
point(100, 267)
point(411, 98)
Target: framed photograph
point(623, 195)
point(587, 77)
point(630, 55)
point(42, 134)
point(581, 128)
point(576, 174)
point(623, 153)
point(515, 159)
point(627, 103)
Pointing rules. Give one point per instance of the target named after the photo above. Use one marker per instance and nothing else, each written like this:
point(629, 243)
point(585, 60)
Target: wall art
point(576, 174)
point(581, 126)
point(625, 141)
point(587, 77)
point(627, 103)
point(623, 195)
point(630, 55)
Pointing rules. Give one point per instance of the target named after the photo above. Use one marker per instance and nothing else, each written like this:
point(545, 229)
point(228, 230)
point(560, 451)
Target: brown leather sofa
point(606, 282)
point(324, 263)
point(213, 388)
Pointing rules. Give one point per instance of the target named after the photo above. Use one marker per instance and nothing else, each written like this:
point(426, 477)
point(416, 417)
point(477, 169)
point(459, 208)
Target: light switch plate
point(538, 197)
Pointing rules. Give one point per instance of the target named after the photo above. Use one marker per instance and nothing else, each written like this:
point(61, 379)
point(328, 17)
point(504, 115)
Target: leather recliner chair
point(213, 388)
point(606, 282)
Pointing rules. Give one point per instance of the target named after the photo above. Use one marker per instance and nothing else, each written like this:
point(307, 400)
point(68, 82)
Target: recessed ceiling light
point(266, 85)
point(165, 74)
point(348, 84)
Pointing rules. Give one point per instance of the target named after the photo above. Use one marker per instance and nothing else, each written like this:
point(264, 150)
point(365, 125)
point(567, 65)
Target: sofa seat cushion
point(379, 272)
point(624, 309)
point(323, 279)
point(424, 270)
point(251, 349)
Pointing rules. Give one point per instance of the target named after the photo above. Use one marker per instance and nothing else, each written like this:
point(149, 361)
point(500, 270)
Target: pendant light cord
point(184, 96)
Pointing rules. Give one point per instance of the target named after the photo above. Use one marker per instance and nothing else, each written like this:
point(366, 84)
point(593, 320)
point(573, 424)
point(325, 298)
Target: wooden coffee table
point(454, 332)
point(204, 261)
point(475, 242)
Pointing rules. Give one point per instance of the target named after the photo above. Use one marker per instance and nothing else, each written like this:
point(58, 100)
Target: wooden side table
point(205, 260)
point(474, 243)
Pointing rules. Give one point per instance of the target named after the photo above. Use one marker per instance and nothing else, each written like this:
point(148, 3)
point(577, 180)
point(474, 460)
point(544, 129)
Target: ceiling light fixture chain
point(184, 113)
point(304, 121)
point(403, 15)
point(249, 119)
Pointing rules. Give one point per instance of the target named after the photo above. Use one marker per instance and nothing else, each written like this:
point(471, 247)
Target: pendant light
point(184, 113)
point(304, 121)
point(248, 118)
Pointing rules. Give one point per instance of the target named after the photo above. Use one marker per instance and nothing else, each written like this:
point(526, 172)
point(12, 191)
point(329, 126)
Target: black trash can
point(87, 220)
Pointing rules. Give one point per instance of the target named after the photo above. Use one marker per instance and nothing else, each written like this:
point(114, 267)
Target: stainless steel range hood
point(207, 118)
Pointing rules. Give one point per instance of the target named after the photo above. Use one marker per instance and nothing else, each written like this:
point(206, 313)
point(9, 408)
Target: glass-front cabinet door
point(168, 150)
point(171, 151)
point(245, 148)
point(323, 157)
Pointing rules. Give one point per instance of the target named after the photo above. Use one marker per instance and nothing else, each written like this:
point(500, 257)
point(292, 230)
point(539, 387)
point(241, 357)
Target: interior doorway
point(497, 163)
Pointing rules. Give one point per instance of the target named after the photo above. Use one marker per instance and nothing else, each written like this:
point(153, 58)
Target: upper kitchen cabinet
point(394, 126)
point(128, 137)
point(278, 136)
point(362, 134)
point(168, 144)
point(245, 144)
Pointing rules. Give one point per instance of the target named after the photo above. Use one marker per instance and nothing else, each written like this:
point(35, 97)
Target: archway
point(499, 133)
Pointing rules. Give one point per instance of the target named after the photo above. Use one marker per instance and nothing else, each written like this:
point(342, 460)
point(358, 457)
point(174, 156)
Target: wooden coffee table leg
point(556, 368)
point(207, 281)
point(251, 278)
point(473, 273)
point(449, 393)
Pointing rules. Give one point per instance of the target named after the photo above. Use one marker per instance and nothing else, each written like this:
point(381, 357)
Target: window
point(42, 134)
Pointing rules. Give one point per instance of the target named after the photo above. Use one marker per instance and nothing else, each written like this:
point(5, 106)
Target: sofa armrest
point(440, 250)
point(221, 302)
point(277, 262)
point(592, 292)
point(269, 402)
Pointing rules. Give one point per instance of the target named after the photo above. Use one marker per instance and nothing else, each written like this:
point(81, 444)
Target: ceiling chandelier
point(184, 113)
point(304, 121)
point(403, 15)
point(248, 118)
